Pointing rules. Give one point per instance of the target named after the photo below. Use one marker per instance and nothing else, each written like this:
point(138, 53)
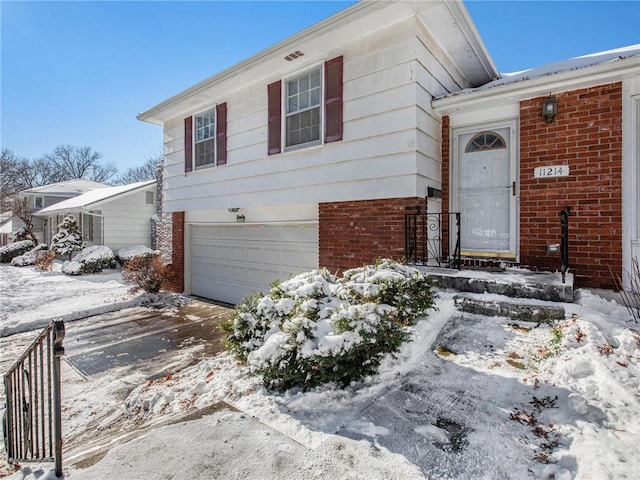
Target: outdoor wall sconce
point(233, 210)
point(240, 218)
point(550, 109)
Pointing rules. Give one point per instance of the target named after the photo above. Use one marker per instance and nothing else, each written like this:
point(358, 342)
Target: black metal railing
point(32, 423)
point(428, 238)
point(564, 242)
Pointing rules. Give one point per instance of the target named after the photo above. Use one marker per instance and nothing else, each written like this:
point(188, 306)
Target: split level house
point(323, 150)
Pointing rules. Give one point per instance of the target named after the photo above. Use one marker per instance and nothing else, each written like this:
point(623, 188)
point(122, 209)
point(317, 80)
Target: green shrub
point(316, 328)
point(9, 252)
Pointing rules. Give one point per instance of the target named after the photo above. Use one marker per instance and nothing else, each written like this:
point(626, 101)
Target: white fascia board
point(548, 84)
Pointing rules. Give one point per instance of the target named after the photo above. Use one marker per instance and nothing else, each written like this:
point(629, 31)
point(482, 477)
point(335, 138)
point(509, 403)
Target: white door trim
point(513, 146)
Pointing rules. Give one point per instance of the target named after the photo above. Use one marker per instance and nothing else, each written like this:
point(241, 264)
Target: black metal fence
point(32, 424)
point(564, 242)
point(432, 238)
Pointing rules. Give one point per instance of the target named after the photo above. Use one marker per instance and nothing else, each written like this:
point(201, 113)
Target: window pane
point(315, 79)
point(293, 104)
point(304, 100)
point(304, 84)
point(293, 87)
point(315, 96)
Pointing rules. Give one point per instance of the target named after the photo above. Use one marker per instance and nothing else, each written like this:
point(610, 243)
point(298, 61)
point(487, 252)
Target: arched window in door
point(485, 141)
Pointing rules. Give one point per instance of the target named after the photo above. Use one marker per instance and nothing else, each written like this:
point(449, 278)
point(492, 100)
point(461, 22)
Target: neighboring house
point(47, 195)
point(312, 151)
point(113, 216)
point(6, 221)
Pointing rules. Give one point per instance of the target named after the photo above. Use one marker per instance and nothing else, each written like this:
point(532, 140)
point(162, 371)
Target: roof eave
point(520, 90)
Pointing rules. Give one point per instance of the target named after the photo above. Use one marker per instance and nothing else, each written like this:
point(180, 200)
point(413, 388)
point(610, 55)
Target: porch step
point(497, 306)
point(512, 282)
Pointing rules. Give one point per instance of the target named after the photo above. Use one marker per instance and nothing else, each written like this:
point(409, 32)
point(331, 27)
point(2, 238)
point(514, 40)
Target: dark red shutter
point(274, 100)
point(221, 134)
point(188, 144)
point(333, 100)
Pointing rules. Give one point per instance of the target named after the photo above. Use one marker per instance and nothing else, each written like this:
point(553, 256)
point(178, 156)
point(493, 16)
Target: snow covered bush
point(145, 272)
point(92, 259)
point(127, 253)
point(9, 252)
point(317, 328)
point(30, 257)
point(68, 238)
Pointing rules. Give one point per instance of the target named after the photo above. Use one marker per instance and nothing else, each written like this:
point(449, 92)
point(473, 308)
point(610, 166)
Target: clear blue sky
point(79, 72)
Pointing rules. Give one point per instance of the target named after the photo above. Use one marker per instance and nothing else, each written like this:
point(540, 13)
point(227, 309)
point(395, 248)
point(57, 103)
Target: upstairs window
point(38, 202)
point(205, 138)
point(303, 109)
point(306, 109)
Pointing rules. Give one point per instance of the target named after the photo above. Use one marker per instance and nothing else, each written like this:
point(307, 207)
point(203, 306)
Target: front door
point(486, 192)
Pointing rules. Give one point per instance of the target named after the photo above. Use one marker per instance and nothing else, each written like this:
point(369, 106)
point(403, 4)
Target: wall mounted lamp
point(549, 109)
point(233, 210)
point(240, 218)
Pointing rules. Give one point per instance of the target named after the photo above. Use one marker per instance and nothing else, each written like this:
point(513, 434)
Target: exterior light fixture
point(233, 210)
point(550, 109)
point(240, 218)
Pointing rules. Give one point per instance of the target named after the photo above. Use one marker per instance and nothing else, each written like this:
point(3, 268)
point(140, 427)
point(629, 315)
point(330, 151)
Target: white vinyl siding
point(127, 221)
point(390, 146)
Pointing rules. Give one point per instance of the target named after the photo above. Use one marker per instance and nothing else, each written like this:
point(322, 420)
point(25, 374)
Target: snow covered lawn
point(31, 298)
point(469, 397)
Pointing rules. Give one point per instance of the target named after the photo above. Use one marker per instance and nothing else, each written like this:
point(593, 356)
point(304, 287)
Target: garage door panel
point(230, 261)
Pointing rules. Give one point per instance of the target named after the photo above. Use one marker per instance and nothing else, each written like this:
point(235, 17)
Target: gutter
point(545, 84)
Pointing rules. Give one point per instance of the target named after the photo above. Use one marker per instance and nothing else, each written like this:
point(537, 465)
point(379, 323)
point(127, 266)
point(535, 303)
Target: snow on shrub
point(31, 256)
point(317, 328)
point(9, 252)
point(92, 259)
point(68, 238)
point(127, 253)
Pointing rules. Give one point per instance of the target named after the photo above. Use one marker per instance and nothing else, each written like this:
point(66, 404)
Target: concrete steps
point(514, 293)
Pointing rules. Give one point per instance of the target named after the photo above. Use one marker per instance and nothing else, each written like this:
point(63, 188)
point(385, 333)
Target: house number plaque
point(553, 171)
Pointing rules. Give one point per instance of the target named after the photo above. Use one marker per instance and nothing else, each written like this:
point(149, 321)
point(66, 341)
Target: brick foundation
point(358, 232)
point(175, 282)
point(587, 136)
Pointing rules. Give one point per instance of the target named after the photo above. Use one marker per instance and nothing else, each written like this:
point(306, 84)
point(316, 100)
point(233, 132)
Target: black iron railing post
point(564, 242)
point(58, 352)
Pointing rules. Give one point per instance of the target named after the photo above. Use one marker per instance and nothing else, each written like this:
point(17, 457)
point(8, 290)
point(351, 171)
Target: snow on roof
point(576, 63)
point(70, 187)
point(95, 196)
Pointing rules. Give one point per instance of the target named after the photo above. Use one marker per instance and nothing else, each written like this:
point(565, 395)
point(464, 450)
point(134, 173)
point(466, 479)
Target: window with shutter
point(307, 107)
point(205, 138)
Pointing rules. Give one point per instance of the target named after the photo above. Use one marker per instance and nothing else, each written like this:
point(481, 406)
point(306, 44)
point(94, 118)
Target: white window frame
point(284, 107)
point(212, 110)
point(35, 202)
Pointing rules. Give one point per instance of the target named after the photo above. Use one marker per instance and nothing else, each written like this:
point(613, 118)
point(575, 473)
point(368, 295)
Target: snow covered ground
point(469, 397)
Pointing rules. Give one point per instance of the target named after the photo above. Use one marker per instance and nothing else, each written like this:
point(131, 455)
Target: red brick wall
point(175, 282)
point(587, 136)
point(358, 232)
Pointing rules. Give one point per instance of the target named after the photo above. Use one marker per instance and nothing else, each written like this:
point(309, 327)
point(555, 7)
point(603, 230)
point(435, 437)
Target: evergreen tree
point(68, 239)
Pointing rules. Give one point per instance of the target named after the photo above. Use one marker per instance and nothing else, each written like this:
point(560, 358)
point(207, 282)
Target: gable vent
point(293, 56)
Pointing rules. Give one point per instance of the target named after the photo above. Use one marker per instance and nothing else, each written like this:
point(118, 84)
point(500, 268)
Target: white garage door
point(230, 261)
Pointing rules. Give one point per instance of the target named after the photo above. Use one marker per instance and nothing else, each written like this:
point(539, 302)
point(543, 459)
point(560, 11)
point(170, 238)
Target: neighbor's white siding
point(127, 221)
point(391, 139)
